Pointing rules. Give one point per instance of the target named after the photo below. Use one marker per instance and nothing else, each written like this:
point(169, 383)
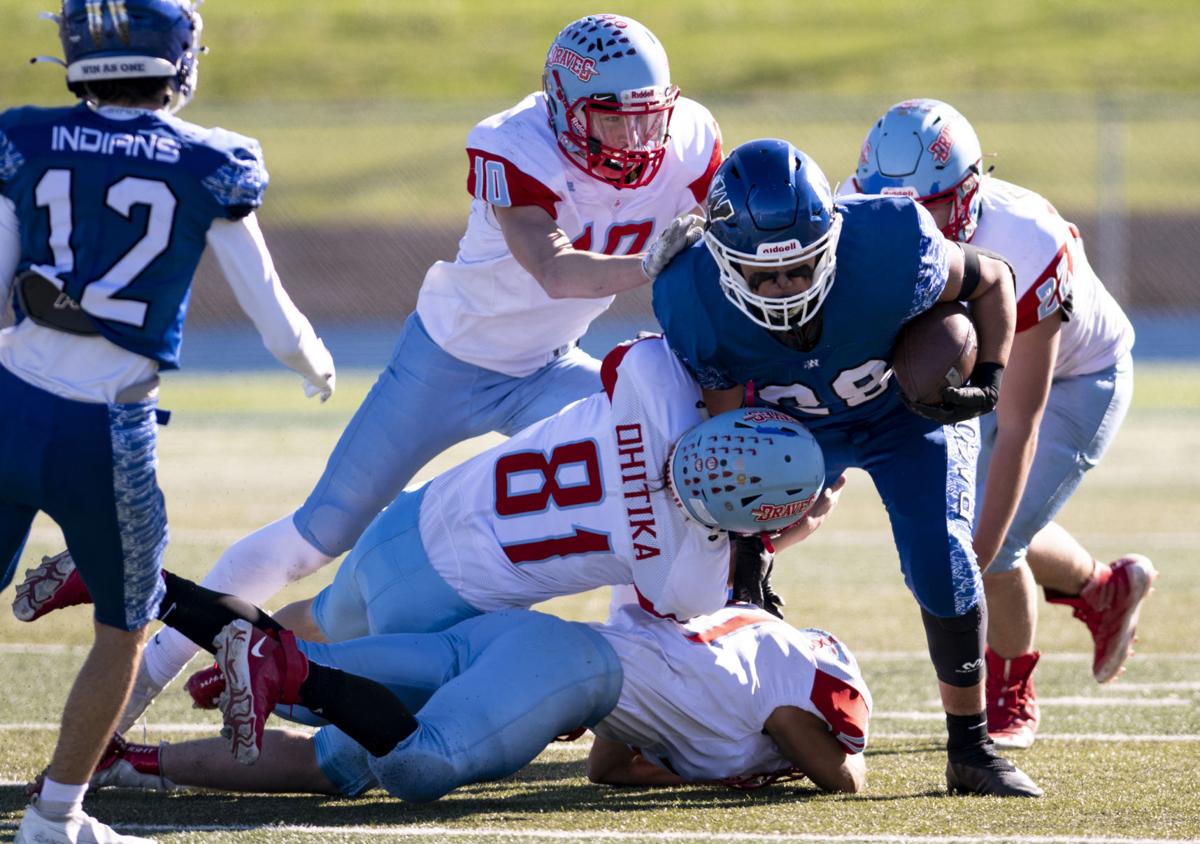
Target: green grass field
point(1118, 762)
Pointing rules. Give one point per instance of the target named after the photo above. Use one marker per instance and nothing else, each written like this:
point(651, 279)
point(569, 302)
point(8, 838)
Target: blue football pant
point(495, 690)
point(387, 584)
point(91, 468)
point(1082, 417)
point(925, 474)
point(425, 401)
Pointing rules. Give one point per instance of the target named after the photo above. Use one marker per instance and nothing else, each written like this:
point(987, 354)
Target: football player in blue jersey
point(105, 209)
point(797, 301)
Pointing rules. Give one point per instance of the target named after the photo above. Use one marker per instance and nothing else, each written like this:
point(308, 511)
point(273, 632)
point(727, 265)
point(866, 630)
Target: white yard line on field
point(154, 729)
point(442, 833)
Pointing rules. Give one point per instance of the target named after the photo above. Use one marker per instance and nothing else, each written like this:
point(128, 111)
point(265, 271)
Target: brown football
point(935, 349)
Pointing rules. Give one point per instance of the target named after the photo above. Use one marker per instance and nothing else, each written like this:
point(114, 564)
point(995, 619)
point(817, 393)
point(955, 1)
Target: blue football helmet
point(750, 470)
point(769, 206)
point(124, 39)
point(609, 97)
point(927, 150)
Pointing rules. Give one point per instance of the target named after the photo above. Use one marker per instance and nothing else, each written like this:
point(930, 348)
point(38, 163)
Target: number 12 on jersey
point(528, 482)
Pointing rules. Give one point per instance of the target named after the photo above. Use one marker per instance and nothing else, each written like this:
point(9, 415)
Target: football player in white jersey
point(1068, 385)
point(571, 186)
point(631, 485)
point(738, 696)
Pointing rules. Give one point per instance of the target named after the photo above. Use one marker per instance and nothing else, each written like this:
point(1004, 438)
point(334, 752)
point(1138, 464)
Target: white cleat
point(77, 828)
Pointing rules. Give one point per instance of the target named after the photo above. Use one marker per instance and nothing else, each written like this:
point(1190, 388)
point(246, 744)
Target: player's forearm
point(1012, 456)
point(994, 311)
point(573, 274)
point(614, 763)
point(242, 254)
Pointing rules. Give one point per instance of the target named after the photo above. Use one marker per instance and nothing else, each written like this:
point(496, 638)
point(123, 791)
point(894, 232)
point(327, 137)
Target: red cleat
point(51, 586)
point(205, 687)
point(1109, 605)
point(260, 672)
point(1012, 710)
point(128, 765)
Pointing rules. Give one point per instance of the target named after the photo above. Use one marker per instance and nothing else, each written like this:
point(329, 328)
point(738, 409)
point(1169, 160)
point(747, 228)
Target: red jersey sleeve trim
point(844, 708)
point(699, 188)
point(612, 362)
point(497, 180)
point(1048, 293)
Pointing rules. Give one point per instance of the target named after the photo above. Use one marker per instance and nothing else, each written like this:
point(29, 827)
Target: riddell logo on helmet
point(785, 248)
point(793, 509)
point(576, 64)
point(902, 190)
point(942, 145)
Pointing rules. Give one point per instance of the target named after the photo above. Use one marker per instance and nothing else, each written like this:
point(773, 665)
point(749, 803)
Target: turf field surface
point(1118, 762)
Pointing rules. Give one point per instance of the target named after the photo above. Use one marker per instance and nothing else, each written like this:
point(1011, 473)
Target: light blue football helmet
point(126, 39)
point(927, 150)
point(769, 206)
point(750, 471)
point(609, 97)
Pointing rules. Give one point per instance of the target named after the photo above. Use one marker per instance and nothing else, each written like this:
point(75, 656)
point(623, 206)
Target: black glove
point(975, 398)
point(752, 573)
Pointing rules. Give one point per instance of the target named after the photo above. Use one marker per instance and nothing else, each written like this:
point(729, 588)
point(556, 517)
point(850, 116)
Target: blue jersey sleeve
point(679, 299)
point(933, 265)
point(11, 159)
point(238, 184)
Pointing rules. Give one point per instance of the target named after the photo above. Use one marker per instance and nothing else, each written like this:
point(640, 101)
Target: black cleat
point(985, 772)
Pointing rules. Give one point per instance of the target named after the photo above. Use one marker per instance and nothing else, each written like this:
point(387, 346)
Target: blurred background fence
point(363, 109)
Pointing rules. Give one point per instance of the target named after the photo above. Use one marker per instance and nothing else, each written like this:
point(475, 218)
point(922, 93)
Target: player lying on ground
point(801, 299)
point(1069, 384)
point(105, 209)
point(569, 187)
point(737, 696)
point(626, 486)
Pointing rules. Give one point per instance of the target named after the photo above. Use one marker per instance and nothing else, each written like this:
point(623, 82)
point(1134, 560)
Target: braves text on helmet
point(609, 98)
point(770, 209)
point(749, 470)
point(927, 150)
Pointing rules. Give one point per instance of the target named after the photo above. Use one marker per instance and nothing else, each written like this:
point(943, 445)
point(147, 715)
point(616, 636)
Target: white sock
point(256, 568)
point(57, 799)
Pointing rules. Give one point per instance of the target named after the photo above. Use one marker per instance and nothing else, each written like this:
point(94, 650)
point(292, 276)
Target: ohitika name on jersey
point(635, 484)
point(140, 145)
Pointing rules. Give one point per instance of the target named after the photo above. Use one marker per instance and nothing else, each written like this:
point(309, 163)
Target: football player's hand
point(975, 398)
point(323, 379)
point(679, 234)
point(807, 525)
point(752, 564)
point(324, 389)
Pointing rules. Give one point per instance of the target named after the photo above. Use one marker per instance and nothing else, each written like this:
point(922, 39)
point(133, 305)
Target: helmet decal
point(747, 471)
point(927, 150)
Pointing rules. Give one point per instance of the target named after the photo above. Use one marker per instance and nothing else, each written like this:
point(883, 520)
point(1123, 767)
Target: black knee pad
point(956, 645)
